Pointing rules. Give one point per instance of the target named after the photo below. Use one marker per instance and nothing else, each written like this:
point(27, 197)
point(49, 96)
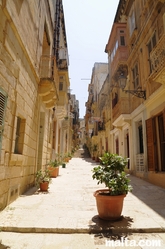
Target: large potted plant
point(111, 172)
point(43, 179)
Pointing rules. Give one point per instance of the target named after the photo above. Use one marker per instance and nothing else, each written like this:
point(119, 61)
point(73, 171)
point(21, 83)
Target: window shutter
point(2, 107)
point(3, 98)
point(150, 144)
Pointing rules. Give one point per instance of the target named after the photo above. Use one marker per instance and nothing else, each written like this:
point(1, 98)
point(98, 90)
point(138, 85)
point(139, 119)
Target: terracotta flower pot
point(54, 171)
point(109, 207)
point(44, 186)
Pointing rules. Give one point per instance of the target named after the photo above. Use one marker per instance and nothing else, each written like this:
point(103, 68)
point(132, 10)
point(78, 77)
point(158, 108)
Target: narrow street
point(66, 217)
point(82, 73)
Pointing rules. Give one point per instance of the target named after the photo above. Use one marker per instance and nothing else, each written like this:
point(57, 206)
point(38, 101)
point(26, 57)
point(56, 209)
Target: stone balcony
point(157, 61)
point(48, 87)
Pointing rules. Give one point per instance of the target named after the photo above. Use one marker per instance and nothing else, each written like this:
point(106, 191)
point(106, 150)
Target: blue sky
point(88, 25)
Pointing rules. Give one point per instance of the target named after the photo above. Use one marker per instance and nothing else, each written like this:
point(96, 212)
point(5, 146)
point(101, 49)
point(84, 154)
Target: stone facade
point(135, 125)
point(30, 67)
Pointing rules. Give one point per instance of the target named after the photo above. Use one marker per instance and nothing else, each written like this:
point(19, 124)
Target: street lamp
point(122, 84)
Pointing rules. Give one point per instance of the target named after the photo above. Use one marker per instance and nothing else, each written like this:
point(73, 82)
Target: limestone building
point(136, 120)
point(33, 91)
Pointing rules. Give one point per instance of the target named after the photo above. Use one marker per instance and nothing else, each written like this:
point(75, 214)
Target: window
point(117, 145)
point(3, 101)
point(132, 24)
point(140, 134)
point(60, 86)
point(19, 140)
point(122, 40)
point(151, 45)
point(114, 100)
point(114, 50)
point(135, 76)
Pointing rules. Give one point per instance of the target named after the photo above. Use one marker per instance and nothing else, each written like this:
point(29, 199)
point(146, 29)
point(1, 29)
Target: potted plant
point(70, 155)
point(111, 172)
point(43, 179)
point(67, 157)
point(94, 149)
point(53, 167)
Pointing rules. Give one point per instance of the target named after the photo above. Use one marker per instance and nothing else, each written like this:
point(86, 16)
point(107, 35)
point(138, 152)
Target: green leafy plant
point(69, 154)
point(42, 176)
point(111, 173)
point(55, 163)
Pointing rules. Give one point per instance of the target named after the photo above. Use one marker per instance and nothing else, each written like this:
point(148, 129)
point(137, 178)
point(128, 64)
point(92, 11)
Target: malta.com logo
point(124, 242)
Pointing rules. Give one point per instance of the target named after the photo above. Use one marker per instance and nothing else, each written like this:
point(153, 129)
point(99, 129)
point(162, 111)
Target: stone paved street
point(69, 208)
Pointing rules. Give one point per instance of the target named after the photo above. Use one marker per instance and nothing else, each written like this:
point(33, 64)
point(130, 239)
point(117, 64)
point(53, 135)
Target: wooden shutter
point(150, 144)
point(164, 122)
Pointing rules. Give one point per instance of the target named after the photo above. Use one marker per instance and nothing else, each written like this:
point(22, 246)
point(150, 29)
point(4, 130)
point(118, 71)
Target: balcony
point(121, 57)
point(48, 86)
point(101, 126)
point(157, 62)
point(64, 90)
point(121, 107)
point(63, 60)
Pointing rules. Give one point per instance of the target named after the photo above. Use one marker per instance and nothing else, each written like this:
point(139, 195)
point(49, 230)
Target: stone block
point(16, 171)
point(3, 19)
point(4, 186)
point(6, 144)
point(3, 201)
point(20, 101)
point(2, 172)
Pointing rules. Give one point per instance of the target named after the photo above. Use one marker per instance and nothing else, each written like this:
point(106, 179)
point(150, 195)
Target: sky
point(88, 25)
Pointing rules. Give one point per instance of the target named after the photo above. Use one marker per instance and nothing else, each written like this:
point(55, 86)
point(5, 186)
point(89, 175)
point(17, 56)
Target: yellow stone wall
point(21, 36)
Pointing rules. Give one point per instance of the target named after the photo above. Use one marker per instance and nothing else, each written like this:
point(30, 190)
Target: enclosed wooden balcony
point(63, 88)
point(63, 60)
point(157, 61)
point(121, 107)
point(120, 58)
point(48, 87)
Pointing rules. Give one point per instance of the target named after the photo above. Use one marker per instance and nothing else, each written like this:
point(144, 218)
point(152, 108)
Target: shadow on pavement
point(150, 194)
point(123, 224)
point(101, 238)
point(3, 246)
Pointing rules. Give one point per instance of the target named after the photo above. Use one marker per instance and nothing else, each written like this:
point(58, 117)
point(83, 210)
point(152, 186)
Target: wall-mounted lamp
point(122, 84)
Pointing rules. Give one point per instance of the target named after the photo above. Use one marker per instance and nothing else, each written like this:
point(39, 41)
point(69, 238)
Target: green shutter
point(3, 101)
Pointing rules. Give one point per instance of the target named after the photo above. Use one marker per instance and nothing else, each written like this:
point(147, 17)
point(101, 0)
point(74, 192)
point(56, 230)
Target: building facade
point(94, 118)
point(33, 91)
point(136, 116)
